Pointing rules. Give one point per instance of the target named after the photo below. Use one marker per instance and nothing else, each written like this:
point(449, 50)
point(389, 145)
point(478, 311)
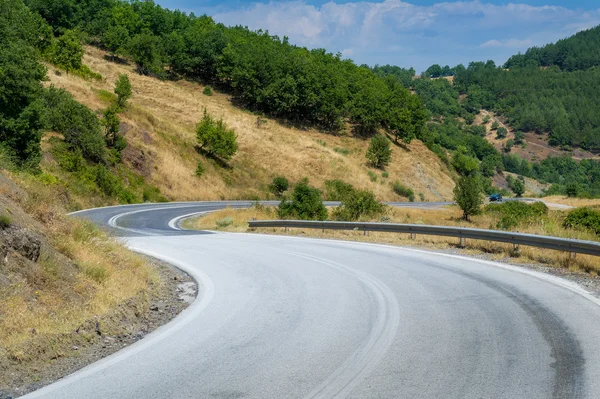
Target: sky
point(410, 33)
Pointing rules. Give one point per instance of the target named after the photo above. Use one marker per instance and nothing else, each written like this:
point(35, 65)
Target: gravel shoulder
point(176, 292)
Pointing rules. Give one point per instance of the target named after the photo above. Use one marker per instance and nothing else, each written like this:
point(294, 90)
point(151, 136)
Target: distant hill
point(578, 52)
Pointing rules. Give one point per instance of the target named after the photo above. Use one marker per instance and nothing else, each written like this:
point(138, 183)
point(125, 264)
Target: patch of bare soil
point(94, 341)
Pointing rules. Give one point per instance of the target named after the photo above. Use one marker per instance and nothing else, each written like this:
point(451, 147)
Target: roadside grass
point(83, 282)
point(448, 216)
point(161, 119)
point(576, 202)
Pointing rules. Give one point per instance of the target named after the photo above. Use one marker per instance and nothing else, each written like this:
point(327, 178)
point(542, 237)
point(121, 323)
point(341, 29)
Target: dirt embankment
point(69, 294)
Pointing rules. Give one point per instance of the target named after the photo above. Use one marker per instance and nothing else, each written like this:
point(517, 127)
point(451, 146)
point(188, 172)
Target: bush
point(5, 221)
point(337, 190)
point(385, 175)
point(106, 181)
point(422, 197)
point(403, 191)
point(372, 176)
point(67, 52)
point(516, 185)
point(495, 125)
point(79, 125)
point(207, 91)
point(200, 169)
point(572, 190)
point(583, 218)
point(358, 204)
point(379, 153)
point(215, 138)
point(512, 213)
point(279, 185)
point(305, 204)
point(224, 222)
point(501, 133)
point(123, 90)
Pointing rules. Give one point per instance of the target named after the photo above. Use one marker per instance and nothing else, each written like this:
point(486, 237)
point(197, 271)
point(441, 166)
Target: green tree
point(123, 90)
point(115, 38)
point(67, 51)
point(306, 203)
point(468, 196)
point(215, 137)
point(572, 190)
point(464, 164)
point(279, 185)
point(143, 49)
point(358, 204)
point(111, 124)
point(379, 152)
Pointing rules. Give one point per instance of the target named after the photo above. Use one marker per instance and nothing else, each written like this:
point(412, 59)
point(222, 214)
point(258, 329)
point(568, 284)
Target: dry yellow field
point(449, 216)
point(161, 123)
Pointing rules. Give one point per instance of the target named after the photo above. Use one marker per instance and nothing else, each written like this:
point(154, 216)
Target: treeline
point(264, 72)
point(578, 52)
point(562, 104)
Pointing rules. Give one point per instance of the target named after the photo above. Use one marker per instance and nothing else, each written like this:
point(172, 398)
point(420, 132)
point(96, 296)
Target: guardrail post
point(572, 255)
point(366, 232)
point(413, 236)
point(462, 242)
point(286, 229)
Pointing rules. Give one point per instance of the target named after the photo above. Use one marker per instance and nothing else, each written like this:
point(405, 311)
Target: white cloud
point(397, 32)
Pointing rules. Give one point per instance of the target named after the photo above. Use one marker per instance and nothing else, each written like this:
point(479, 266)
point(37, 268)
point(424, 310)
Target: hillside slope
point(159, 128)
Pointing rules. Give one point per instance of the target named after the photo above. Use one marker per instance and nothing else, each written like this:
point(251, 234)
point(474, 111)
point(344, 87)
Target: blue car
point(496, 198)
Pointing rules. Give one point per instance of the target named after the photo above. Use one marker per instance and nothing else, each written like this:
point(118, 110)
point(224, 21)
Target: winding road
point(287, 317)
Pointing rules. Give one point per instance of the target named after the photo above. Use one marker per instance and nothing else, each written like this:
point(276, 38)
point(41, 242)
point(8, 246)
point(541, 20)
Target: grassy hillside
point(159, 126)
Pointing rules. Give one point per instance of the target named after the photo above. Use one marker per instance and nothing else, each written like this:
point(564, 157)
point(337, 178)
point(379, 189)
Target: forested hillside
point(578, 52)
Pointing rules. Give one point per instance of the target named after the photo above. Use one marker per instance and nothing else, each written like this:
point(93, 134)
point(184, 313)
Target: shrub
point(372, 176)
point(123, 90)
point(341, 150)
point(385, 175)
point(279, 185)
point(224, 222)
point(422, 197)
point(207, 91)
point(215, 137)
point(79, 125)
point(511, 213)
point(572, 190)
point(379, 153)
point(305, 204)
point(467, 195)
point(67, 51)
point(107, 182)
point(516, 185)
point(495, 125)
point(5, 221)
point(486, 119)
point(583, 218)
point(403, 191)
point(501, 132)
point(358, 204)
point(200, 169)
point(337, 190)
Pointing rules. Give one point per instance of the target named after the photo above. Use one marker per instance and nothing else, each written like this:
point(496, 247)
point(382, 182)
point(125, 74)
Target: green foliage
point(336, 190)
point(385, 175)
point(67, 51)
point(216, 138)
point(279, 185)
point(111, 124)
point(305, 203)
point(200, 169)
point(403, 191)
point(495, 125)
point(224, 222)
point(516, 185)
point(422, 197)
point(519, 138)
point(512, 213)
point(508, 145)
point(343, 151)
point(207, 91)
point(123, 90)
point(372, 176)
point(467, 195)
point(5, 221)
point(358, 204)
point(464, 164)
point(79, 125)
point(572, 190)
point(144, 50)
point(501, 133)
point(585, 219)
point(379, 152)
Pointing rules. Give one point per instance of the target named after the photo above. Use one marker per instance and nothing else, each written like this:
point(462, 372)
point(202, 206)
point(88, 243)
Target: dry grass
point(449, 216)
point(162, 117)
point(576, 202)
point(82, 277)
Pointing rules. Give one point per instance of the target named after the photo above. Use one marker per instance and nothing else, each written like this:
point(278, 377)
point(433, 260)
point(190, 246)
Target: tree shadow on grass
point(220, 162)
point(116, 59)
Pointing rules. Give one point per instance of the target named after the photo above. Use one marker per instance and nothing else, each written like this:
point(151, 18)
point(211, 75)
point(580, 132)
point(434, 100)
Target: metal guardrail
point(560, 244)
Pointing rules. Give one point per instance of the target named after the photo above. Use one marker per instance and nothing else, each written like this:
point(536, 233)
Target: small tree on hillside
point(305, 203)
point(518, 187)
point(216, 138)
point(123, 90)
point(379, 152)
point(111, 124)
point(467, 195)
point(67, 51)
point(279, 185)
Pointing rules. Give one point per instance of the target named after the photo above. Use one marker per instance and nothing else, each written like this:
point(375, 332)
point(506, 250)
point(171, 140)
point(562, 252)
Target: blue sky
point(408, 33)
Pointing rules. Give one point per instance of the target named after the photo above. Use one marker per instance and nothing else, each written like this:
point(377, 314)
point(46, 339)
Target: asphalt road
point(287, 317)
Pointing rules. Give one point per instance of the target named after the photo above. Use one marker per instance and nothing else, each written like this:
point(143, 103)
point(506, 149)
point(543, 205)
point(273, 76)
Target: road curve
point(287, 317)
